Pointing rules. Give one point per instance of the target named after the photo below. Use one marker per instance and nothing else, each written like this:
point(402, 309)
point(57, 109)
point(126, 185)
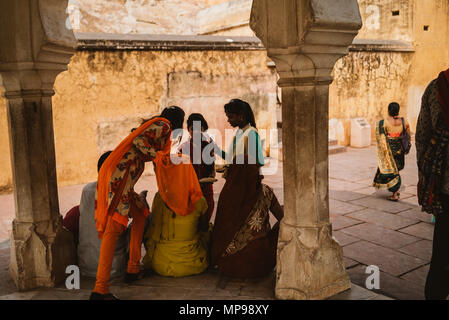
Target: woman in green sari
point(390, 156)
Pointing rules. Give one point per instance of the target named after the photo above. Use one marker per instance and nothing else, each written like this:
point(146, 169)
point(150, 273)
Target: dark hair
point(102, 159)
point(393, 109)
point(175, 115)
point(197, 117)
point(237, 106)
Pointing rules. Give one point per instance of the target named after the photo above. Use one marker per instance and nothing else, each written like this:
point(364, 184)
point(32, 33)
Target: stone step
point(336, 149)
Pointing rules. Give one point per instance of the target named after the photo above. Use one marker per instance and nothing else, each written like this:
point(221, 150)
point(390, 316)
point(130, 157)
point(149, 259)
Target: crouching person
point(89, 243)
point(178, 235)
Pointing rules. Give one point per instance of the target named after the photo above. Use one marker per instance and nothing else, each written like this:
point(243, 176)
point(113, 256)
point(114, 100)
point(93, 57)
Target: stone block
point(344, 239)
point(382, 204)
point(388, 260)
point(381, 236)
point(420, 230)
point(383, 219)
point(421, 249)
point(341, 222)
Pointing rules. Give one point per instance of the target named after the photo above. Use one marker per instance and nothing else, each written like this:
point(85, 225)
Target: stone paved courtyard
point(396, 237)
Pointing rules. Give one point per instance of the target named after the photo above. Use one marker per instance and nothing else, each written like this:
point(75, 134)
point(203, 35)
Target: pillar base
point(40, 253)
point(310, 264)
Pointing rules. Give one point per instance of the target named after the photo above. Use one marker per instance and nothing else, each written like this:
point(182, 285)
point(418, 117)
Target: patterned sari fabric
point(390, 160)
point(243, 244)
point(124, 166)
point(431, 168)
point(433, 164)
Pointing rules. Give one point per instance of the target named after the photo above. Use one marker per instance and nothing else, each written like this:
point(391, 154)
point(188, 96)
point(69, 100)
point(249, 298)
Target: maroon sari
point(240, 195)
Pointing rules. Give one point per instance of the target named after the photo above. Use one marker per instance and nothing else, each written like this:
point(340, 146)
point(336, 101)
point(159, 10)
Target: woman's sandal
point(392, 198)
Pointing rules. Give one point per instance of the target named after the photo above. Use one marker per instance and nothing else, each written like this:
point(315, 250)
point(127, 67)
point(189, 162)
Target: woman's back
point(393, 127)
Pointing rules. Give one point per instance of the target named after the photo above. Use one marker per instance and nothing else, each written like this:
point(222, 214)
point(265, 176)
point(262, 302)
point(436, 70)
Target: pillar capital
point(35, 47)
point(305, 38)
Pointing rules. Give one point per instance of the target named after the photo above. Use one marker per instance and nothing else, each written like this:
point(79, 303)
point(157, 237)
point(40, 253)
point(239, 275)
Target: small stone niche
point(426, 28)
point(395, 12)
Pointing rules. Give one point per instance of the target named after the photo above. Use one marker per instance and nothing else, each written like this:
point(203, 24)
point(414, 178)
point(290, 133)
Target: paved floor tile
point(390, 286)
point(413, 200)
point(345, 195)
point(388, 260)
point(344, 185)
point(416, 213)
point(343, 238)
point(386, 220)
point(421, 249)
point(381, 204)
point(421, 230)
point(337, 207)
point(340, 222)
point(418, 276)
point(380, 235)
point(349, 263)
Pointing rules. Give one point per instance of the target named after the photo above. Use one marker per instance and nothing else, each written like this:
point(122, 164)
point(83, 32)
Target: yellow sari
point(174, 245)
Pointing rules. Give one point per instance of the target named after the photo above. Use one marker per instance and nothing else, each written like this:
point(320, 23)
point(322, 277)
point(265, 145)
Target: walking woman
point(243, 244)
point(116, 199)
point(390, 153)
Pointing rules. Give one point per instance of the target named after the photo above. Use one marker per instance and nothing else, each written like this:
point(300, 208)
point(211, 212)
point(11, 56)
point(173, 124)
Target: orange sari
point(177, 183)
point(103, 208)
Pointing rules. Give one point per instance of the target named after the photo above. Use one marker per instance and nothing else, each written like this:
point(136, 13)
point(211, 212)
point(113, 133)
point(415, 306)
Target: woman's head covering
point(177, 183)
point(443, 94)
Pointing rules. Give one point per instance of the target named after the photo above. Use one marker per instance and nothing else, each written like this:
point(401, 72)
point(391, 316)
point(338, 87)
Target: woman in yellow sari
point(390, 156)
point(177, 238)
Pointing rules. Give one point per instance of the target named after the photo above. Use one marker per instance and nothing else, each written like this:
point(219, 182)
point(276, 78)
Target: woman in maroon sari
point(243, 244)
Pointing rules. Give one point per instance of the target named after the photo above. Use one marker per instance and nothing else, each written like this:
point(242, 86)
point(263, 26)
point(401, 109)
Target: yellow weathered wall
point(103, 95)
point(432, 50)
point(380, 23)
point(366, 82)
point(5, 162)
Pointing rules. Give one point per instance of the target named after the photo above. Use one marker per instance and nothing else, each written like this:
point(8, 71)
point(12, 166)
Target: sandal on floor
point(98, 296)
point(392, 198)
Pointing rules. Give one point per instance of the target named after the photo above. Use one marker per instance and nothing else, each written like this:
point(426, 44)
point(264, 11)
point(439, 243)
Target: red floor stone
point(383, 219)
point(421, 230)
point(417, 276)
point(388, 260)
point(340, 222)
point(381, 236)
point(343, 238)
point(421, 249)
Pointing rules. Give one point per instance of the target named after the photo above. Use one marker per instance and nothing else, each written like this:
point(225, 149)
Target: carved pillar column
point(35, 46)
point(305, 38)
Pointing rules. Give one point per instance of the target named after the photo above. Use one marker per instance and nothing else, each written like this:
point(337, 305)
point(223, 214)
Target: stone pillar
point(305, 38)
point(35, 46)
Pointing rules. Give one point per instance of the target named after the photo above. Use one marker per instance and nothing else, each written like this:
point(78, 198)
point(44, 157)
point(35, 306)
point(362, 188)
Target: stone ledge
point(149, 42)
point(372, 45)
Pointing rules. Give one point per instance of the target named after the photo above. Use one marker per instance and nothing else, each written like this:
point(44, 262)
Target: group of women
point(180, 240)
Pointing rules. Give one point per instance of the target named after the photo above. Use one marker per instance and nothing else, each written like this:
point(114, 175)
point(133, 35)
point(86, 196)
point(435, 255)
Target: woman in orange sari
point(116, 199)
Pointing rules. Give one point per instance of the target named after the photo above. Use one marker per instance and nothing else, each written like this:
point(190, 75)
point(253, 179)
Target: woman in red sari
point(116, 199)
